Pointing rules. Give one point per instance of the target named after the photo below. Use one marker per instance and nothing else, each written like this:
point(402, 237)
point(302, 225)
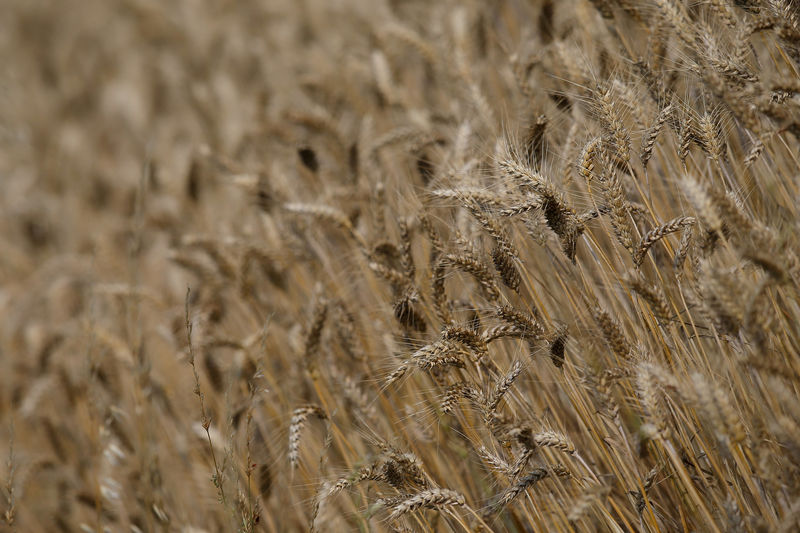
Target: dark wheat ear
point(560, 217)
point(406, 314)
point(535, 142)
point(558, 344)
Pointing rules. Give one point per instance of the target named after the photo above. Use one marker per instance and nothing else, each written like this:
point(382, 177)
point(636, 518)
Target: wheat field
point(399, 265)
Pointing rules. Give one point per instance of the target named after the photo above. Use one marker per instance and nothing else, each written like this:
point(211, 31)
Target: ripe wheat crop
point(400, 265)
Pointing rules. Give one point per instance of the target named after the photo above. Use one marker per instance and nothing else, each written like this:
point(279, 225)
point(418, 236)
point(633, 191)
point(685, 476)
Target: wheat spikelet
point(553, 439)
point(559, 215)
point(507, 268)
point(414, 41)
point(494, 462)
point(401, 470)
point(428, 499)
point(406, 314)
point(651, 136)
point(299, 417)
point(648, 385)
point(612, 334)
point(535, 142)
point(314, 334)
point(502, 386)
point(755, 152)
point(586, 162)
point(406, 258)
point(515, 490)
point(702, 203)
point(398, 373)
point(521, 320)
point(607, 378)
point(618, 204)
point(480, 197)
point(675, 15)
point(441, 304)
point(518, 209)
point(504, 330)
point(369, 472)
point(711, 140)
point(687, 240)
point(717, 406)
point(724, 12)
point(658, 233)
point(468, 338)
point(617, 139)
point(730, 210)
point(396, 278)
point(719, 291)
point(440, 353)
point(504, 254)
point(758, 315)
point(322, 212)
point(456, 392)
point(521, 463)
point(652, 296)
point(478, 270)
